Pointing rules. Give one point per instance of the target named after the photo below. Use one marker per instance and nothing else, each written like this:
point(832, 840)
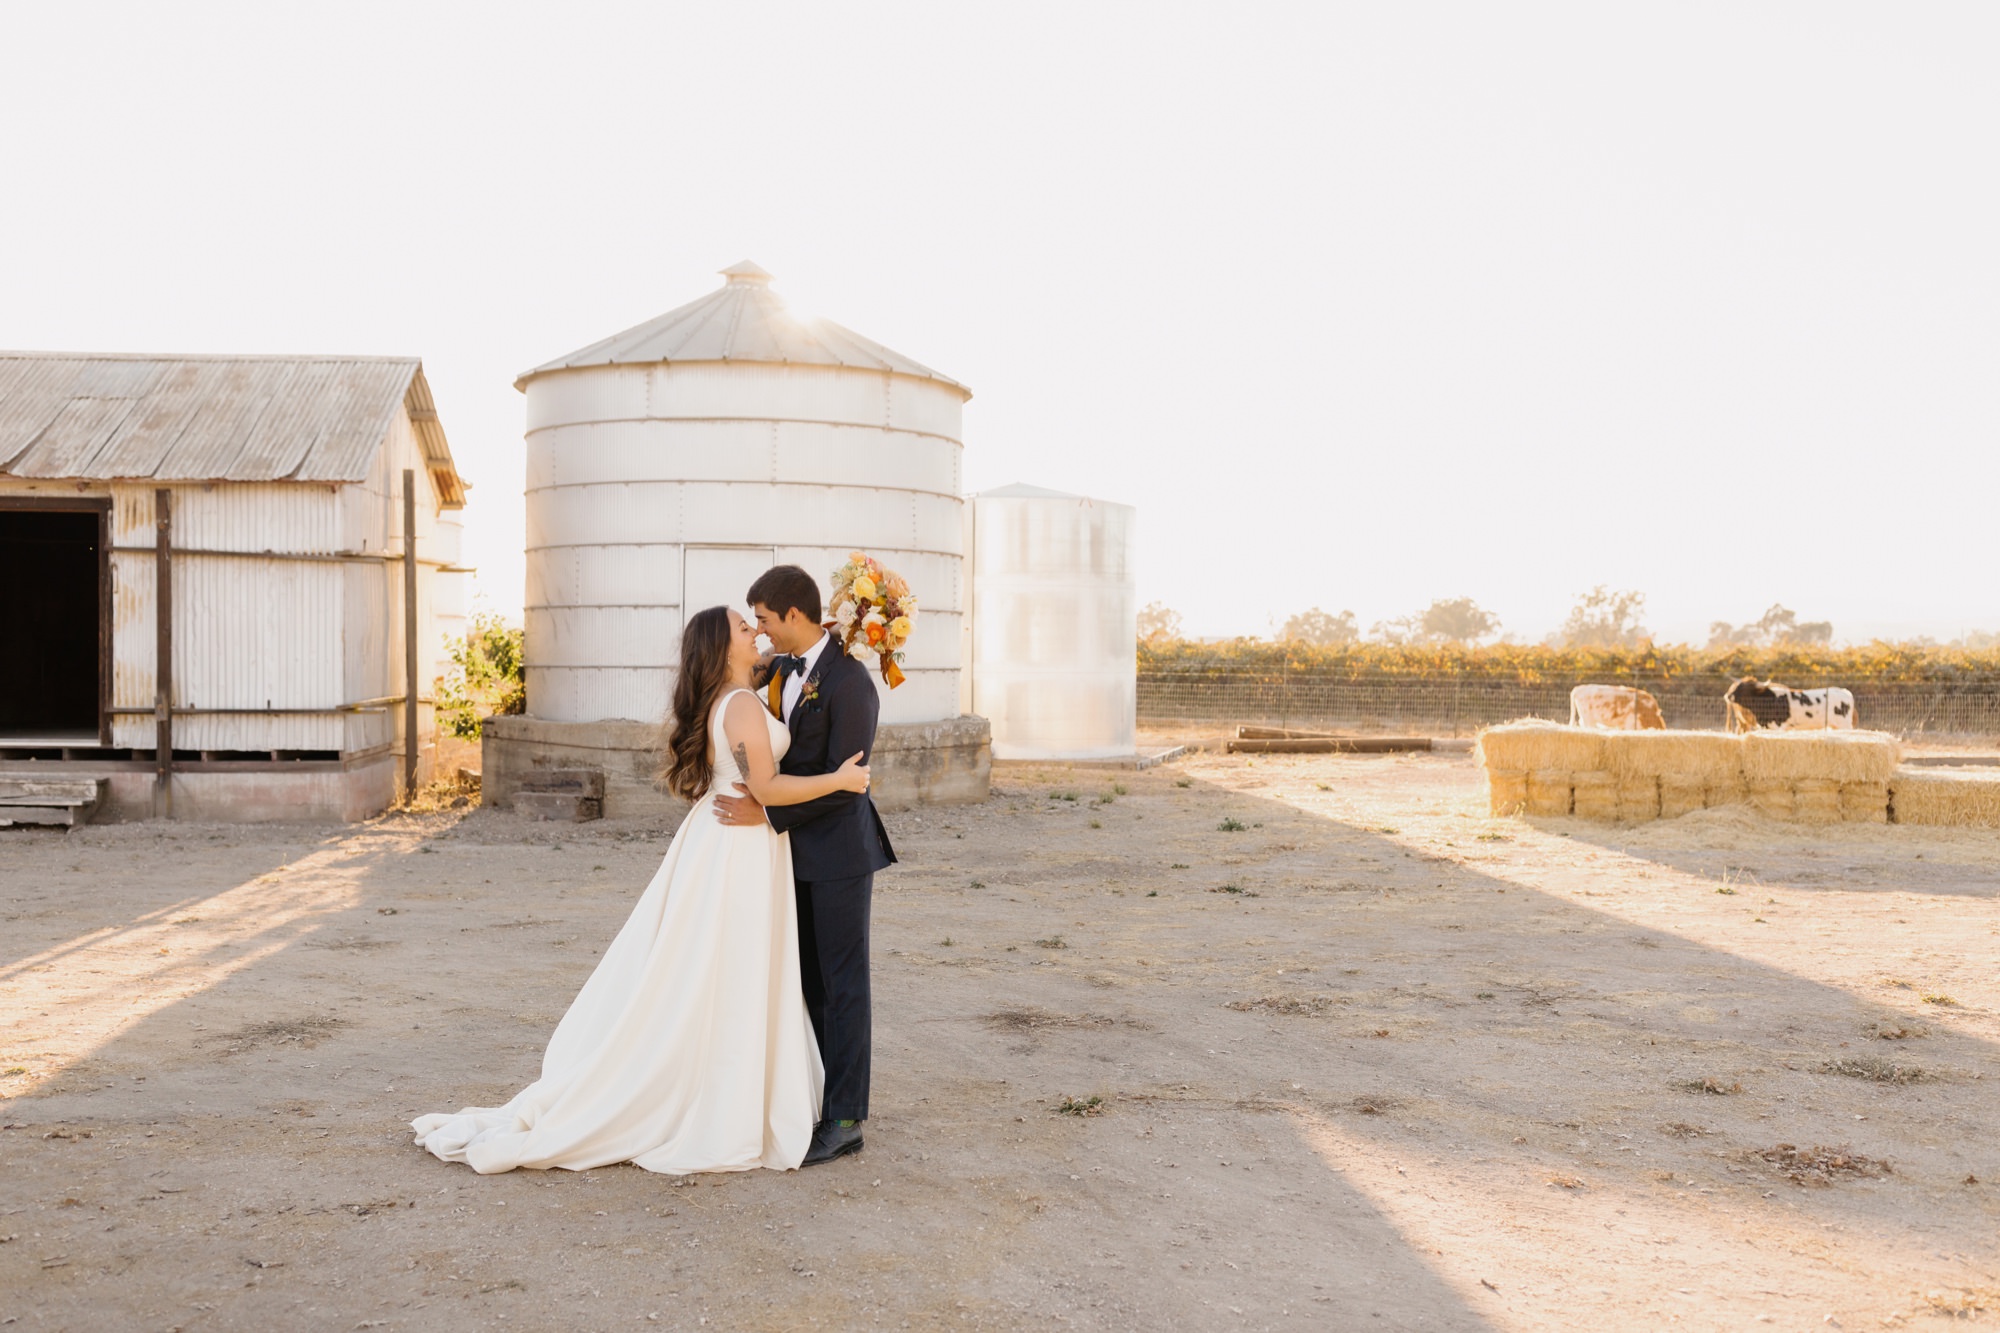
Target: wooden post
point(163, 654)
point(409, 633)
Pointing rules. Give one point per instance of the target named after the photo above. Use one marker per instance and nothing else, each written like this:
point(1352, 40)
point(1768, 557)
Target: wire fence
point(1444, 705)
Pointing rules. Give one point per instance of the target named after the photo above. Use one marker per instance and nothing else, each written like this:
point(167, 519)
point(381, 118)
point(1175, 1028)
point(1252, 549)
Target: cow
point(1755, 705)
point(1616, 707)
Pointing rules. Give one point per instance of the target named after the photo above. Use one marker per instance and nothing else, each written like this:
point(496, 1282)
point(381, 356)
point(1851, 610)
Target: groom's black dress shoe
point(831, 1141)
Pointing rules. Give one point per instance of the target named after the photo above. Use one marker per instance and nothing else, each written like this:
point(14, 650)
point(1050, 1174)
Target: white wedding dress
point(689, 1049)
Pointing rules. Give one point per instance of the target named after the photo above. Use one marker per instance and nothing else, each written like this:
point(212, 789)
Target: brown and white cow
point(1617, 707)
point(1755, 705)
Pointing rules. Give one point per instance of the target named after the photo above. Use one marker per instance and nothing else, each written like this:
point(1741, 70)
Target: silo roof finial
point(746, 272)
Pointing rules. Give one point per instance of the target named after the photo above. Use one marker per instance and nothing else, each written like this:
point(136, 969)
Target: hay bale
point(1548, 792)
point(1531, 744)
point(1773, 797)
point(1816, 800)
point(1638, 799)
point(1679, 795)
point(1945, 798)
point(1833, 756)
point(1506, 791)
point(1716, 794)
point(1596, 796)
point(1713, 757)
point(1864, 802)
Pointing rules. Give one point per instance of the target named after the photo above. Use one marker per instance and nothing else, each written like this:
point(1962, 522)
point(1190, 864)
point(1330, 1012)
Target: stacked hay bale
point(1539, 768)
point(1820, 777)
point(1946, 798)
point(1531, 766)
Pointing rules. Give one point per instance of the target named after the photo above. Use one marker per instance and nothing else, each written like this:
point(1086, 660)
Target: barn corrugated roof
point(213, 418)
point(743, 320)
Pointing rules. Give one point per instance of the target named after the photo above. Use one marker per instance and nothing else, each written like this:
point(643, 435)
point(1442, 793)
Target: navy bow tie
point(786, 664)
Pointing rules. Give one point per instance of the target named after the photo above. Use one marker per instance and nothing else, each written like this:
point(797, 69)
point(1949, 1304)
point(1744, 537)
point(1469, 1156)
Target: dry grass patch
point(1312, 1005)
point(1890, 1031)
point(1963, 1302)
point(1820, 1166)
point(1875, 1069)
point(307, 1032)
point(1041, 1020)
point(1087, 1106)
point(1713, 1087)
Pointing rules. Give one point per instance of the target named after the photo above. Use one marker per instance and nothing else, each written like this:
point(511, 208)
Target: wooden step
point(49, 802)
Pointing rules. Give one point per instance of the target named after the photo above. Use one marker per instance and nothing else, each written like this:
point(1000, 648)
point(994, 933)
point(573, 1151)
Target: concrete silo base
point(915, 763)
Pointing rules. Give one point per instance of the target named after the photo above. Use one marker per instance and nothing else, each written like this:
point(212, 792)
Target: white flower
point(874, 617)
point(843, 616)
point(859, 648)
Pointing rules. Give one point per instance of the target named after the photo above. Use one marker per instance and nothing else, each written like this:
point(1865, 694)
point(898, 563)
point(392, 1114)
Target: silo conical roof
point(743, 320)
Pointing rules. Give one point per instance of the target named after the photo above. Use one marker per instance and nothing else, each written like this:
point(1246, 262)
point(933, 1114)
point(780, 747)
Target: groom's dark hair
point(784, 588)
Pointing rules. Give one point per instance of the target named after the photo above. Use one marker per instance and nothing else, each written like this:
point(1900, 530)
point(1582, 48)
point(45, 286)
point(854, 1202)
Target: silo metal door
point(719, 575)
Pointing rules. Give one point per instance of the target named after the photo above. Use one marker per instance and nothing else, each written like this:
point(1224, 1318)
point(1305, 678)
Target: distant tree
point(1447, 620)
point(1319, 629)
point(1977, 639)
point(1779, 625)
point(1159, 622)
point(1604, 619)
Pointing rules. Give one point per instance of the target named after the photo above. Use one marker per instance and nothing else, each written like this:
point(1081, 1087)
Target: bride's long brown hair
point(704, 671)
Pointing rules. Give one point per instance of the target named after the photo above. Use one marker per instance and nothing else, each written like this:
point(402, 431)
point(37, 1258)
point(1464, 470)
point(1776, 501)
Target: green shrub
point(484, 679)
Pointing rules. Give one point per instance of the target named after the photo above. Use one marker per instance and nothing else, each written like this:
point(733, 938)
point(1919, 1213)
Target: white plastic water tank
point(1055, 624)
point(671, 464)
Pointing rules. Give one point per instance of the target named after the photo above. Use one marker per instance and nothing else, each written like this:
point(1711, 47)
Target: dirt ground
point(1367, 1060)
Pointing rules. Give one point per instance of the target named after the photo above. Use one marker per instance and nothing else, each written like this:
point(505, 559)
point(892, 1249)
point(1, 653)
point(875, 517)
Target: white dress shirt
point(795, 684)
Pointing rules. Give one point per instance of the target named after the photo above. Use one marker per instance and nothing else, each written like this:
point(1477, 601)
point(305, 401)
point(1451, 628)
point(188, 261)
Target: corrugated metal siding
point(722, 513)
point(604, 576)
point(216, 418)
point(793, 451)
point(741, 322)
point(629, 464)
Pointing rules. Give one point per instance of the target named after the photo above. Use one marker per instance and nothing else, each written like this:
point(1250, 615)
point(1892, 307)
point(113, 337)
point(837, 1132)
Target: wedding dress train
point(689, 1049)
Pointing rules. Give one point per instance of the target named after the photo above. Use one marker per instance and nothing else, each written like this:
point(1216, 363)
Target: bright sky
point(1360, 304)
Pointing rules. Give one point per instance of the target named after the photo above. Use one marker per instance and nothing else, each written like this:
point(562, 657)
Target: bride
point(689, 1049)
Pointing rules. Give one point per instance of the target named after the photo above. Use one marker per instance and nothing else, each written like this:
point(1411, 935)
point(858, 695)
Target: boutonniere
point(810, 694)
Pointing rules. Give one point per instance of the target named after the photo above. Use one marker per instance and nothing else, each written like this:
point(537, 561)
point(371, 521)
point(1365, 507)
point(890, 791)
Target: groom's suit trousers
point(833, 966)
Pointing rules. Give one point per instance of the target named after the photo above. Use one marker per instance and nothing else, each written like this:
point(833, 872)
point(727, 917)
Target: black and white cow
point(1755, 704)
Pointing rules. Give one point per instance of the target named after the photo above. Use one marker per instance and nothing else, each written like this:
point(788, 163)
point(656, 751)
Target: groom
point(838, 842)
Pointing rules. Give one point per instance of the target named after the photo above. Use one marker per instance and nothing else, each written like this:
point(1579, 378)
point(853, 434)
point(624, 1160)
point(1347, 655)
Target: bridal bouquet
point(873, 612)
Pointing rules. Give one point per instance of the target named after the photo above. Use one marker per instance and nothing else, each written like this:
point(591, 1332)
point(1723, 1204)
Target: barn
point(226, 585)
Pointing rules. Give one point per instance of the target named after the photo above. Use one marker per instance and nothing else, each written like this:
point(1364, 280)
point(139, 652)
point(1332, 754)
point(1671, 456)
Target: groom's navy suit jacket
point(837, 836)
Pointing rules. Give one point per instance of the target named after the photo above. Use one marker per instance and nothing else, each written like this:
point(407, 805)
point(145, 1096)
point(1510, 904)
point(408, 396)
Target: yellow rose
point(864, 588)
point(899, 628)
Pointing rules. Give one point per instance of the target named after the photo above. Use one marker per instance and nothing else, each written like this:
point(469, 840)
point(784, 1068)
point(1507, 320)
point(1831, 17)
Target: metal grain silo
point(1054, 628)
point(671, 464)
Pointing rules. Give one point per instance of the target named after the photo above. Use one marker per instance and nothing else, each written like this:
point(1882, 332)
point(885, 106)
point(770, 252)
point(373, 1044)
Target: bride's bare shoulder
point(740, 710)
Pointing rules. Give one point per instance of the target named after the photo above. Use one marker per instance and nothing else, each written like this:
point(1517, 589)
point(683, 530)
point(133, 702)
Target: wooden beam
point(163, 654)
point(106, 595)
point(409, 633)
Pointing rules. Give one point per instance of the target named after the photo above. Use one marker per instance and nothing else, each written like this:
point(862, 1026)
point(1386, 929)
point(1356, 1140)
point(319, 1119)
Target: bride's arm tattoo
point(742, 753)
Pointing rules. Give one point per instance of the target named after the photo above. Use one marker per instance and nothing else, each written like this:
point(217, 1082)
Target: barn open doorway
point(54, 624)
